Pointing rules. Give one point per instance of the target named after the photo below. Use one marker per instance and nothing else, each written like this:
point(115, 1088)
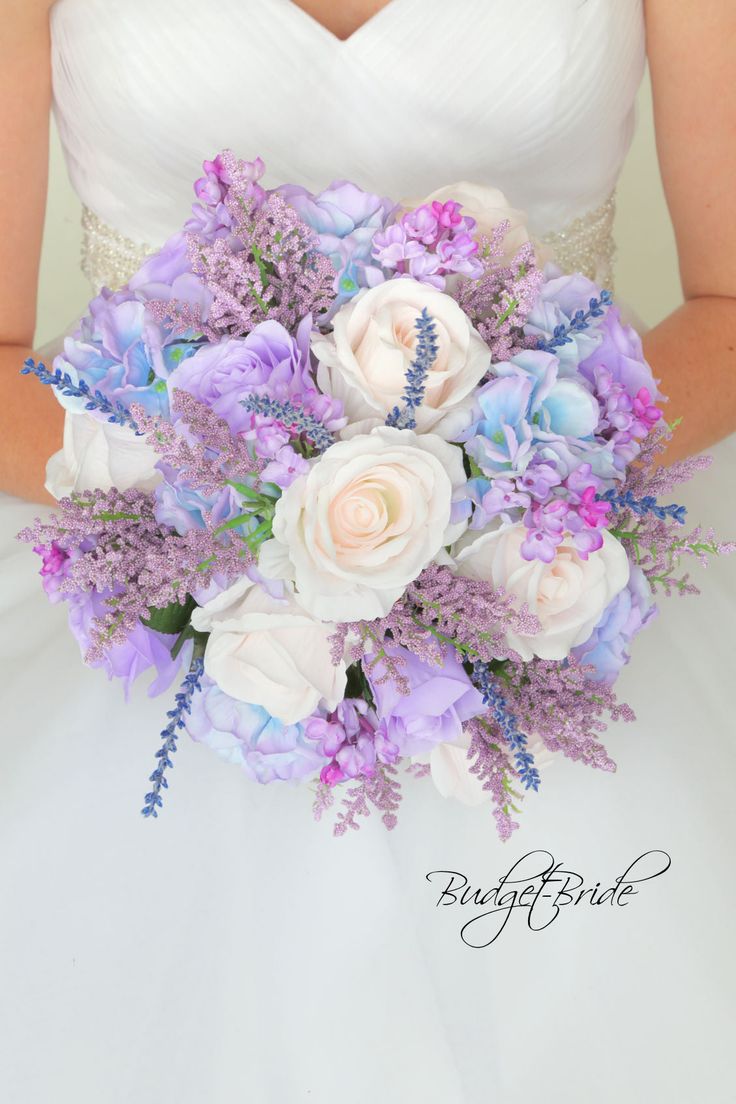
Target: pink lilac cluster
point(429, 244)
point(214, 356)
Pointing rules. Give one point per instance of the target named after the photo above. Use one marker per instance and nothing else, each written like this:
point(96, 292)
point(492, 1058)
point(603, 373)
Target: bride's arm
point(690, 46)
point(30, 418)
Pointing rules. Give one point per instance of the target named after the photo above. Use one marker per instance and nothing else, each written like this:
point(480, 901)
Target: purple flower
point(440, 699)
point(430, 243)
point(248, 736)
point(143, 650)
point(268, 361)
point(607, 649)
point(181, 506)
point(211, 217)
point(344, 219)
point(349, 740)
point(122, 352)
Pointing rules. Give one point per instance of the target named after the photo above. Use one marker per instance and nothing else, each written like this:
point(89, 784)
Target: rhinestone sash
point(109, 259)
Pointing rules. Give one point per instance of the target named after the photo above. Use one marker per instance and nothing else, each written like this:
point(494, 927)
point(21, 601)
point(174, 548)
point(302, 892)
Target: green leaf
point(170, 619)
point(190, 633)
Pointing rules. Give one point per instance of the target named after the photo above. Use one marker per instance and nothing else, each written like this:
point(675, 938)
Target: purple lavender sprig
point(294, 418)
point(425, 355)
point(183, 700)
point(93, 400)
point(487, 683)
point(626, 500)
point(580, 321)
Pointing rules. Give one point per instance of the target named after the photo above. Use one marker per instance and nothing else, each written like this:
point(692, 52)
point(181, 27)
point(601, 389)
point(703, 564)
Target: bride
point(233, 950)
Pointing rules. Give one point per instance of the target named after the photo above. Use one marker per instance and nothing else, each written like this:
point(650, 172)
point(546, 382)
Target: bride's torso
point(535, 97)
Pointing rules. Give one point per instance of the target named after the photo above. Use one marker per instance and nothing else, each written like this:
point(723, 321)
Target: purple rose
point(268, 361)
point(440, 700)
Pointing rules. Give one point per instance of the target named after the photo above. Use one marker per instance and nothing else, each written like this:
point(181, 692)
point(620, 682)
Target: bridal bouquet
point(379, 483)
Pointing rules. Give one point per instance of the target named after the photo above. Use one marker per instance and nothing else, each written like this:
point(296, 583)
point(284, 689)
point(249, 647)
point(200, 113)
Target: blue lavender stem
point(580, 321)
point(524, 760)
point(425, 355)
point(291, 416)
point(94, 400)
point(642, 506)
point(183, 699)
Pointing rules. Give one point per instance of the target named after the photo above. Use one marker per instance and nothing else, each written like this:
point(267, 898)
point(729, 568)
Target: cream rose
point(367, 518)
point(269, 652)
point(567, 595)
point(365, 360)
point(102, 455)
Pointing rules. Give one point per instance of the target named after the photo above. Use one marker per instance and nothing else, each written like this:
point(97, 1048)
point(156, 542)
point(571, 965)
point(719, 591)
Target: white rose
point(267, 651)
point(371, 513)
point(102, 455)
point(568, 595)
point(365, 360)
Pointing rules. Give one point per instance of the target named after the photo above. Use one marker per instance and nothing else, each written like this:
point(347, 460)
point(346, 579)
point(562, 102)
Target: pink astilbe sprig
point(131, 559)
point(439, 609)
point(556, 702)
point(499, 302)
point(382, 791)
point(267, 267)
point(491, 765)
point(215, 454)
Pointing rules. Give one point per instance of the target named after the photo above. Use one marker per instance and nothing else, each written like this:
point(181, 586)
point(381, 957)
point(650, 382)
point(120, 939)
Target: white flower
point(267, 651)
point(488, 206)
point(568, 595)
point(102, 455)
point(365, 360)
point(371, 513)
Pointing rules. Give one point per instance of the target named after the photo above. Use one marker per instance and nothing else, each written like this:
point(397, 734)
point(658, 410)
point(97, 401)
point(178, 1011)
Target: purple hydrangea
point(121, 351)
point(345, 220)
point(624, 386)
point(248, 736)
point(607, 649)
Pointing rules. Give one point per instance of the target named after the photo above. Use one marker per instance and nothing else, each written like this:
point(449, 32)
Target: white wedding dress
point(233, 950)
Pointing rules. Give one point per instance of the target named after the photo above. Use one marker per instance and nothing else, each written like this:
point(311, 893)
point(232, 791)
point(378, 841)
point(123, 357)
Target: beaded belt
point(109, 259)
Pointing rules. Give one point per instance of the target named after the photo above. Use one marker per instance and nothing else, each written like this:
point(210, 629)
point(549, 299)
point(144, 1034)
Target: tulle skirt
point(234, 950)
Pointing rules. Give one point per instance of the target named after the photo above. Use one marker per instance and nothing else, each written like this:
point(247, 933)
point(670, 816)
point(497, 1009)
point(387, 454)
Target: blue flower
point(251, 738)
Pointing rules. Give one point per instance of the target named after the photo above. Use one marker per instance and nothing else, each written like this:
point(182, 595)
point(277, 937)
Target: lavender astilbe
point(214, 455)
point(556, 702)
point(493, 769)
point(382, 791)
point(267, 267)
point(137, 563)
point(183, 705)
point(499, 301)
point(440, 609)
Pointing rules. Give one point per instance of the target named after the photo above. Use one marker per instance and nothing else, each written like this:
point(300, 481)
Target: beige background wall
point(646, 270)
